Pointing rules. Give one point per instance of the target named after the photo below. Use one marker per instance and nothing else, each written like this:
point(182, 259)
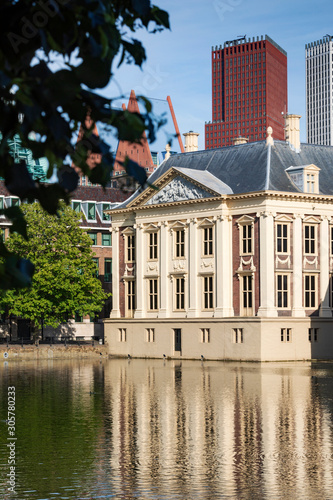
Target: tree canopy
point(64, 282)
point(55, 56)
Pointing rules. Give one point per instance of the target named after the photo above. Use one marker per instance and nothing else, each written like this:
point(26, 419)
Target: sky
point(179, 61)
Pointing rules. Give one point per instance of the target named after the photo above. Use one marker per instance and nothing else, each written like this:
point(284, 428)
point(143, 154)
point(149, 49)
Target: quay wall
point(33, 352)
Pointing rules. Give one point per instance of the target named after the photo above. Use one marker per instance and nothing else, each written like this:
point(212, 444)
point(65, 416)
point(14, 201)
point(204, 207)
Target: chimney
point(292, 131)
point(191, 141)
point(240, 140)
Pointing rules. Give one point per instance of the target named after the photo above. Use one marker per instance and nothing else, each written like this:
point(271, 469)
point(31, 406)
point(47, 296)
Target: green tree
point(55, 55)
point(65, 280)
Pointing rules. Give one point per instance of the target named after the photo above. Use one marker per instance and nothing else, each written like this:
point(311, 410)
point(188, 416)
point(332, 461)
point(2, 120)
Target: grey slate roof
point(251, 167)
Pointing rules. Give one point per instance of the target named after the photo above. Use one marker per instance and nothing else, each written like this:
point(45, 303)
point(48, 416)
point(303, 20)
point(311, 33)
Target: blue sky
point(178, 61)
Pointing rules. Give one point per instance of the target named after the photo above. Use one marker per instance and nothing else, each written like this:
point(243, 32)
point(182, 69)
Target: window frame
point(309, 293)
point(208, 292)
point(179, 243)
point(284, 292)
point(109, 239)
point(130, 297)
point(93, 236)
point(286, 335)
point(153, 241)
point(309, 240)
point(179, 293)
point(150, 335)
point(130, 248)
point(238, 335)
point(205, 335)
point(107, 261)
point(208, 241)
point(285, 239)
point(153, 294)
point(247, 310)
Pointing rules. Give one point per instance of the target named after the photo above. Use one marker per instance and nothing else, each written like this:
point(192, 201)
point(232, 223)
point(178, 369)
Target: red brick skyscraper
point(249, 91)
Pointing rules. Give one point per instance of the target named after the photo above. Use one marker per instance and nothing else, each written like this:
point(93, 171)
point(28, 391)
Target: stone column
point(298, 309)
point(192, 256)
point(267, 278)
point(115, 312)
point(141, 291)
point(324, 293)
point(163, 266)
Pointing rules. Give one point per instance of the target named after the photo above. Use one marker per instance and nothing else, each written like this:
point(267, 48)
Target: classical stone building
point(232, 258)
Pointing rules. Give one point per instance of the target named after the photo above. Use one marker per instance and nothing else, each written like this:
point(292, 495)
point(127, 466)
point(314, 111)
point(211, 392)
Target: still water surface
point(169, 430)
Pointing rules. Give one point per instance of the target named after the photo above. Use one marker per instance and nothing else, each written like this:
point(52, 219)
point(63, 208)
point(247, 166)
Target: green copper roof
point(37, 168)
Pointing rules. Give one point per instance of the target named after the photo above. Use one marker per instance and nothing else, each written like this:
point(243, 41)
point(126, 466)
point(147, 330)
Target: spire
point(138, 152)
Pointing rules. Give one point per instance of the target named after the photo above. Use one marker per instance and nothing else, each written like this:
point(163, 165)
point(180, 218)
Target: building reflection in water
point(200, 430)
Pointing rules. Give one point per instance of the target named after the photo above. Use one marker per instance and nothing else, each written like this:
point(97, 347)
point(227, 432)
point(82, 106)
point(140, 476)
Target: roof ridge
point(268, 166)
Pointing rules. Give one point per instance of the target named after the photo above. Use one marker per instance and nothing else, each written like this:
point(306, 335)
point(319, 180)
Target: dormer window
point(305, 178)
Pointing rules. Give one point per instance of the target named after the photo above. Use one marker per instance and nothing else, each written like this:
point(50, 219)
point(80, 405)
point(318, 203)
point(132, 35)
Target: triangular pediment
point(173, 187)
point(179, 189)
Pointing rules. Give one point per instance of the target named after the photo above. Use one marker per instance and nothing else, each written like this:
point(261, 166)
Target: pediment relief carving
point(178, 189)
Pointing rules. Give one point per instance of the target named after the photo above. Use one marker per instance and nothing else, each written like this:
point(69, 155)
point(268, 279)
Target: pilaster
point(223, 279)
point(141, 292)
point(298, 309)
point(164, 283)
point(192, 255)
point(267, 289)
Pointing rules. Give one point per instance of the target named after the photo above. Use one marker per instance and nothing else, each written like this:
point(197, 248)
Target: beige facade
point(229, 277)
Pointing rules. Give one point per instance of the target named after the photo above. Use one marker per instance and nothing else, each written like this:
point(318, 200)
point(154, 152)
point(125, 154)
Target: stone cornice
point(278, 195)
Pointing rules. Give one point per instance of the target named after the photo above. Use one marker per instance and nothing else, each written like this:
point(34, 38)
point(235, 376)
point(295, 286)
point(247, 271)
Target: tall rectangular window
point(96, 261)
point(153, 294)
point(91, 211)
point(93, 236)
point(106, 239)
point(107, 270)
point(208, 292)
point(310, 239)
point(105, 217)
point(247, 235)
point(130, 297)
point(310, 183)
point(282, 238)
point(76, 206)
point(282, 291)
point(179, 293)
point(179, 243)
point(310, 291)
point(247, 295)
point(207, 241)
point(153, 246)
point(130, 248)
